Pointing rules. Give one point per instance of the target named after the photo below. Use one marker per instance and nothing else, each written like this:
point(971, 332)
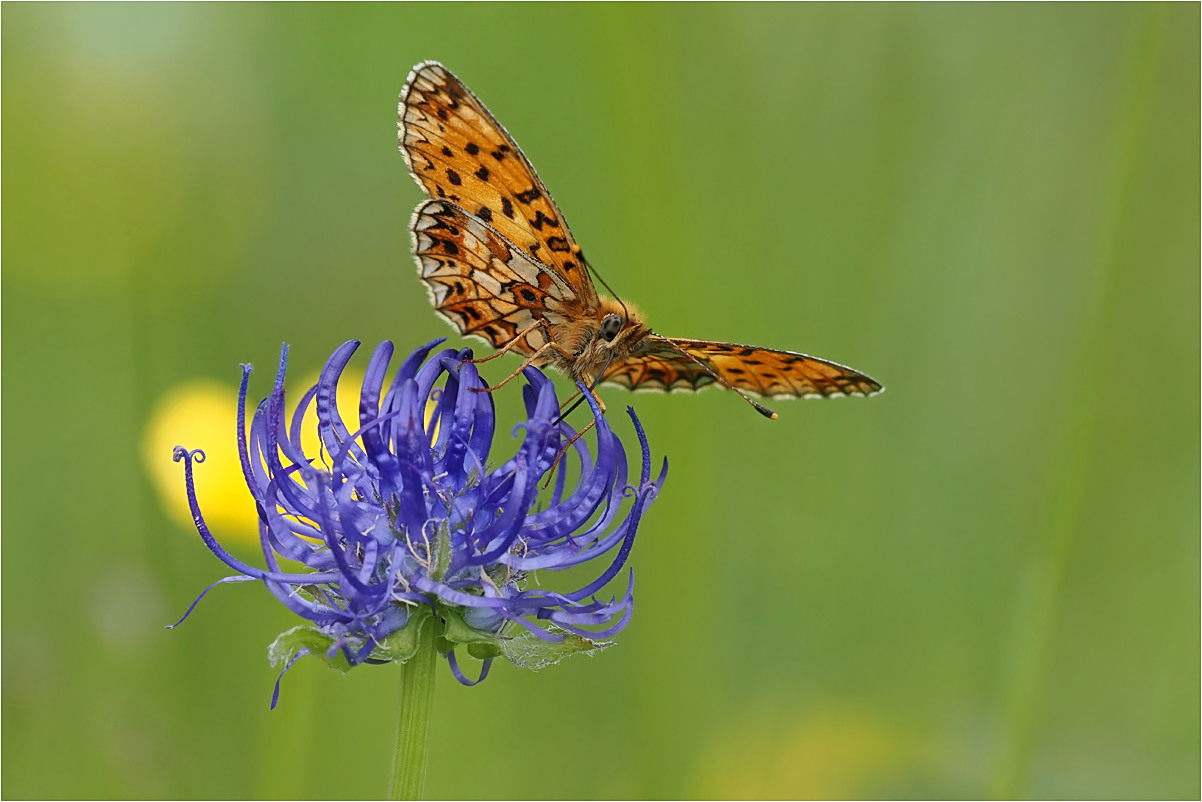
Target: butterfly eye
point(610, 327)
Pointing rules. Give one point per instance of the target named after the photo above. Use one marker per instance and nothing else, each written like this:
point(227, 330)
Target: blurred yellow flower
point(203, 414)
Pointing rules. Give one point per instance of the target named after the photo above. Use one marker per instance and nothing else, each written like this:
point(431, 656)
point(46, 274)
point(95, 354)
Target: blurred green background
point(983, 583)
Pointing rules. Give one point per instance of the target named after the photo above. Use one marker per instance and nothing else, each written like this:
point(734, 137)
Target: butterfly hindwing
point(662, 363)
point(483, 285)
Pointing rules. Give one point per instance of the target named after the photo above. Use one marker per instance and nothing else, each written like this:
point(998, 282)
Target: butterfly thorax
point(595, 341)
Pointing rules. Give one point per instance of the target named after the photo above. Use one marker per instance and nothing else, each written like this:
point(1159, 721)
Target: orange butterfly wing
point(457, 151)
point(662, 363)
point(483, 285)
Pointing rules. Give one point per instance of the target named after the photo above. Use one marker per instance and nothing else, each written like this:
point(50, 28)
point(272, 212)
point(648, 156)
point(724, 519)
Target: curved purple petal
point(463, 680)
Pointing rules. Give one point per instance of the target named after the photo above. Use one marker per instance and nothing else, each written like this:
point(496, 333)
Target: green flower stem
point(413, 728)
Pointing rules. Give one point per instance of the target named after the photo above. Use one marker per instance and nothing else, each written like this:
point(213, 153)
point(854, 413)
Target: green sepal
point(456, 632)
point(450, 632)
point(287, 644)
point(399, 647)
point(486, 651)
point(528, 651)
point(524, 650)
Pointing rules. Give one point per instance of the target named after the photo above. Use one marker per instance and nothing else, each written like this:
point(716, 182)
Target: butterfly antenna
point(760, 408)
point(605, 284)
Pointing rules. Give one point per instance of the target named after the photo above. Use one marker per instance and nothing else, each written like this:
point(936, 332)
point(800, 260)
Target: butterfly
point(501, 265)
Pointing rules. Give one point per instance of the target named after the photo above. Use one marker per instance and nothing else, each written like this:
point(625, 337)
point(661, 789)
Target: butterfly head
point(603, 339)
point(619, 328)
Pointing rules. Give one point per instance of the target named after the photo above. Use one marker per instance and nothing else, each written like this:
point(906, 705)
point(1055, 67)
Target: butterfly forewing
point(458, 152)
point(481, 283)
point(665, 364)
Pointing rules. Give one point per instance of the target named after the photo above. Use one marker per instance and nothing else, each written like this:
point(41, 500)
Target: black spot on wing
point(657, 374)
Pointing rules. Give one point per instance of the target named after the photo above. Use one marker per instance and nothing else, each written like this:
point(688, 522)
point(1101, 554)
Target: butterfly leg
point(568, 445)
point(576, 399)
point(573, 397)
point(598, 399)
point(600, 406)
point(529, 361)
point(519, 337)
point(549, 345)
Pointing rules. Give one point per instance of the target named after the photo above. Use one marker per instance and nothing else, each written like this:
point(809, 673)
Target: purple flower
point(404, 522)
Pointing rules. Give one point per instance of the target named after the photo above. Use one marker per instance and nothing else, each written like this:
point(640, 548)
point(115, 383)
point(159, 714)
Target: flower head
point(404, 522)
